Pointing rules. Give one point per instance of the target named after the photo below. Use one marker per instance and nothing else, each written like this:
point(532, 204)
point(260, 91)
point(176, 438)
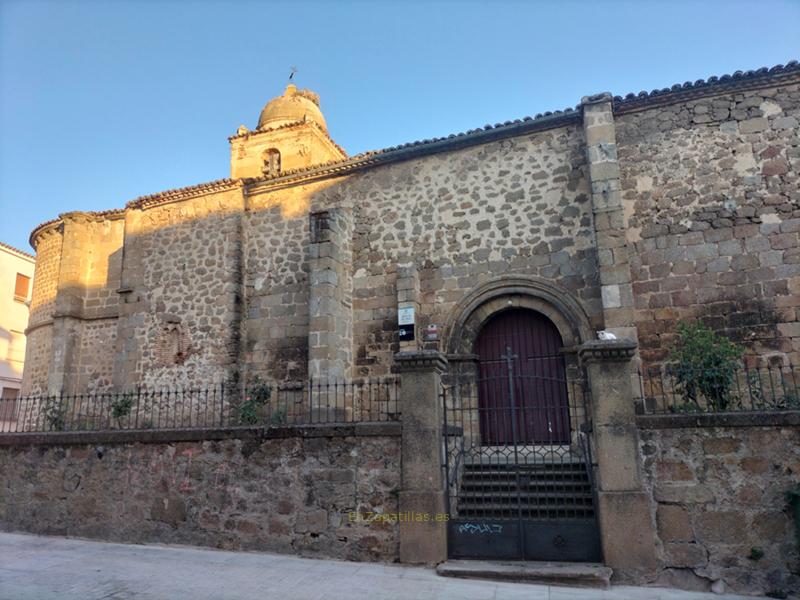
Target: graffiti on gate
point(480, 528)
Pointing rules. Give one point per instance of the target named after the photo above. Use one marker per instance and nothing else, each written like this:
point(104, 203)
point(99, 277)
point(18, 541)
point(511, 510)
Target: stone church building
point(474, 273)
point(625, 214)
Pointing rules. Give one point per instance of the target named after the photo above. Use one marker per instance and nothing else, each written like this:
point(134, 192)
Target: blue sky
point(104, 101)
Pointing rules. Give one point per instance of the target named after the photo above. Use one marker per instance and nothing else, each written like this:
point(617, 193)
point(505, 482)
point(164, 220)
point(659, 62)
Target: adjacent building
point(16, 277)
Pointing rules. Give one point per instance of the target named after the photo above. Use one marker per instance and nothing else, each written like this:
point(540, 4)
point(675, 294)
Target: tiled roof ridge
point(17, 250)
point(697, 88)
point(701, 85)
point(370, 157)
point(488, 132)
point(183, 192)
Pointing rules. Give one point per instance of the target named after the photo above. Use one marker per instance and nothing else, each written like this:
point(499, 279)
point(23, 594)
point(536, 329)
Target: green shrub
point(704, 364)
point(55, 414)
point(121, 407)
point(258, 395)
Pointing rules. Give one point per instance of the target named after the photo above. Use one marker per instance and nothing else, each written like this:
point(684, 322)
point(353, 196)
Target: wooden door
point(522, 387)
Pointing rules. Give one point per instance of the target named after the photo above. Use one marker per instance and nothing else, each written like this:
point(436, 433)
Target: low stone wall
point(245, 490)
point(719, 486)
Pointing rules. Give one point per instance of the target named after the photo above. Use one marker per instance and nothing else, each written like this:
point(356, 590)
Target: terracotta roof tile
point(17, 250)
point(540, 121)
point(707, 85)
point(184, 192)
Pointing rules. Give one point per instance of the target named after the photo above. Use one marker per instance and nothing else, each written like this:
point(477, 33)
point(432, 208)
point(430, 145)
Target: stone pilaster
point(609, 222)
point(132, 302)
point(423, 536)
point(330, 330)
point(66, 346)
point(68, 310)
point(408, 297)
point(625, 509)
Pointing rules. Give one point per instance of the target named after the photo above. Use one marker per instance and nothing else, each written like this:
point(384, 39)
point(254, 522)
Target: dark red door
point(532, 406)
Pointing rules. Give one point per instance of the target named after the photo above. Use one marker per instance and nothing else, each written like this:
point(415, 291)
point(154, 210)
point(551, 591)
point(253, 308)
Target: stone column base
point(627, 534)
point(423, 528)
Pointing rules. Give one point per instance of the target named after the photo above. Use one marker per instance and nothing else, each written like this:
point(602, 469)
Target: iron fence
point(517, 446)
point(216, 406)
point(668, 389)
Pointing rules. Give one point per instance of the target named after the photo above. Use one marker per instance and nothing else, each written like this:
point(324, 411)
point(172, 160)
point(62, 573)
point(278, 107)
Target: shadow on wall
point(166, 309)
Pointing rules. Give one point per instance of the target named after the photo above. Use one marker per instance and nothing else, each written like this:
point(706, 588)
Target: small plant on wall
point(55, 414)
point(251, 411)
point(704, 365)
point(121, 407)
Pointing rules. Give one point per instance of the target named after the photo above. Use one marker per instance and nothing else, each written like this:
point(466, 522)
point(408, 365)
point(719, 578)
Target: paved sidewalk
point(34, 567)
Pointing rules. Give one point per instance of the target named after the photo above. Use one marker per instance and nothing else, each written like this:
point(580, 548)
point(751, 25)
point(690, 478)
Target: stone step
point(481, 485)
point(539, 467)
point(546, 573)
point(537, 513)
point(523, 470)
point(548, 497)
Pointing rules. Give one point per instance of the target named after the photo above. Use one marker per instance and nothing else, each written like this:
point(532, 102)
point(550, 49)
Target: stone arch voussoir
point(504, 293)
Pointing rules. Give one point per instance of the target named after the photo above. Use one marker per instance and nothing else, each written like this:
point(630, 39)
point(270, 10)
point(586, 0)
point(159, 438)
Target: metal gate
point(518, 461)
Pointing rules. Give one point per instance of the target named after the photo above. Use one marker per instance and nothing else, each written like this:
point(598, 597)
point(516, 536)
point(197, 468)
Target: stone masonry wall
point(215, 283)
point(291, 495)
point(713, 217)
point(45, 281)
point(95, 362)
point(182, 275)
point(276, 250)
point(43, 299)
point(720, 505)
point(38, 351)
point(516, 206)
point(92, 363)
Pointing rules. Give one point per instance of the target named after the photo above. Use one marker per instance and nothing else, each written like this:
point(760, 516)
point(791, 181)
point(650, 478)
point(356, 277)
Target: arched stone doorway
point(522, 381)
point(518, 455)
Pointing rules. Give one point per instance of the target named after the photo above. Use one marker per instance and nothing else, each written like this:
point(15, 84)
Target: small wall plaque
point(405, 323)
point(431, 333)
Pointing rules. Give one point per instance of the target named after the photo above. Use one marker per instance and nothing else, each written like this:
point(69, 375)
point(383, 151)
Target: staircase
point(546, 491)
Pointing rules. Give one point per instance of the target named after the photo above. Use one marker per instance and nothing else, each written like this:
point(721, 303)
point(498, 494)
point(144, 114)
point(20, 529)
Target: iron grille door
point(518, 461)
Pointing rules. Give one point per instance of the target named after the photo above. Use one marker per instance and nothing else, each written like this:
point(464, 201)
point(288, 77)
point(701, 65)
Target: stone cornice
point(97, 314)
point(787, 418)
point(184, 193)
point(462, 358)
point(294, 125)
point(34, 326)
point(78, 216)
point(160, 436)
point(607, 351)
point(421, 360)
point(43, 229)
point(255, 132)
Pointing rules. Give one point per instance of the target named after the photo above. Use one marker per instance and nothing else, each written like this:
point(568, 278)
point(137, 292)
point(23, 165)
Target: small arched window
point(272, 162)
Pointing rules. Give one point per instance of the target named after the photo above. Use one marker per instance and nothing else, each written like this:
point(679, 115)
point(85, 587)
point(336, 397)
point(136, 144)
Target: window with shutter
point(22, 287)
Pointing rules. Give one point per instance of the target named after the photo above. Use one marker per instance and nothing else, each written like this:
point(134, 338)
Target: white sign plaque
point(405, 316)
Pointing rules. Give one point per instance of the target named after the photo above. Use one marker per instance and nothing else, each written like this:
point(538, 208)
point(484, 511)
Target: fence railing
point(669, 389)
point(216, 406)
